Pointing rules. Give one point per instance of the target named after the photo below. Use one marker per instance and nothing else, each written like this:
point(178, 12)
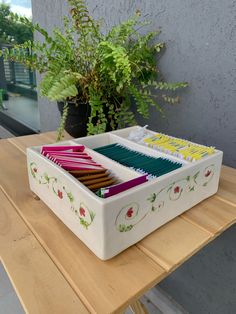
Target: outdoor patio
point(173, 255)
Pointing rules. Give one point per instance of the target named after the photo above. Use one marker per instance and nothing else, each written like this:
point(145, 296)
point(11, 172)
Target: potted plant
point(95, 77)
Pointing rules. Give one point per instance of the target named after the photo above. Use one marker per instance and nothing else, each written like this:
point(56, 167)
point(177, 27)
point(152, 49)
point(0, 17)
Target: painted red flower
point(176, 189)
point(82, 211)
point(60, 194)
point(35, 170)
point(130, 212)
point(207, 173)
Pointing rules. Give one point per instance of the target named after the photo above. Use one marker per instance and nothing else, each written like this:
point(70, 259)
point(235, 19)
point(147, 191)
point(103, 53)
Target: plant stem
point(61, 128)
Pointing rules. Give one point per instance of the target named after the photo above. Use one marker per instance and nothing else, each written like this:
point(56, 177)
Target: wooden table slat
point(52, 136)
point(38, 282)
point(227, 187)
point(213, 215)
point(174, 242)
point(102, 286)
point(108, 287)
point(23, 142)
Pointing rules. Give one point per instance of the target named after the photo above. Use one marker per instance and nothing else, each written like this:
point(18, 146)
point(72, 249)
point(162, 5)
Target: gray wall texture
point(201, 49)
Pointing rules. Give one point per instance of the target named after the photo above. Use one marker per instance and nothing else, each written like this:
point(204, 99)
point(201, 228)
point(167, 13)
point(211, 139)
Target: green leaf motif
point(181, 186)
point(70, 196)
point(125, 228)
point(92, 215)
point(32, 172)
point(153, 209)
point(152, 197)
point(46, 177)
point(50, 181)
point(84, 223)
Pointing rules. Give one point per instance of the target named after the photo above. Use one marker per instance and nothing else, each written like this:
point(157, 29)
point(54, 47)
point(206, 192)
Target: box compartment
point(108, 226)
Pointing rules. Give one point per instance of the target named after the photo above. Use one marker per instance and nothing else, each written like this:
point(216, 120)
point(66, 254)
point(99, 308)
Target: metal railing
point(18, 74)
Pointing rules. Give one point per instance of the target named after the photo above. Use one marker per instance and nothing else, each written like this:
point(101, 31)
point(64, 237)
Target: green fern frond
point(63, 88)
point(159, 46)
point(84, 24)
point(114, 63)
point(171, 100)
point(142, 54)
point(142, 101)
point(104, 70)
point(127, 118)
point(119, 34)
point(49, 78)
point(97, 120)
point(59, 85)
point(167, 86)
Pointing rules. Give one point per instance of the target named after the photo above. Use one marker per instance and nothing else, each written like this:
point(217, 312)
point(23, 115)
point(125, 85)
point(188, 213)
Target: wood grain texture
point(108, 287)
point(227, 187)
point(37, 281)
point(213, 215)
point(104, 287)
point(23, 142)
point(138, 308)
point(52, 136)
point(174, 243)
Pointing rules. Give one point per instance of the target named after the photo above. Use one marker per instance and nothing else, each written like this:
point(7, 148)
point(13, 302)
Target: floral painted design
point(172, 192)
point(81, 211)
point(84, 215)
point(177, 189)
point(60, 194)
point(208, 174)
point(130, 212)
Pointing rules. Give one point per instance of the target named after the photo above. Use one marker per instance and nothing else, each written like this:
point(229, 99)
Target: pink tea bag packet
point(70, 148)
point(68, 154)
point(70, 166)
point(73, 160)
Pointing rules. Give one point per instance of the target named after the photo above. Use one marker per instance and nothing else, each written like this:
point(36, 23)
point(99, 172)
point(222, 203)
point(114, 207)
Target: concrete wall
point(201, 41)
point(48, 14)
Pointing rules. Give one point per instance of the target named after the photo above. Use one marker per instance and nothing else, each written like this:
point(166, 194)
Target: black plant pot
point(77, 119)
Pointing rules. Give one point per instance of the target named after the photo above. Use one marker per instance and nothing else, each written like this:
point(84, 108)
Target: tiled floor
point(5, 133)
point(9, 302)
point(23, 109)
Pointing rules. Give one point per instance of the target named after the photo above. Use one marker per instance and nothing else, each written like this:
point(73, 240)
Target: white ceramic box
point(108, 226)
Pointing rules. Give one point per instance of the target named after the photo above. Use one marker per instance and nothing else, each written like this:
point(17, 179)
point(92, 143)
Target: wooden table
point(54, 272)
